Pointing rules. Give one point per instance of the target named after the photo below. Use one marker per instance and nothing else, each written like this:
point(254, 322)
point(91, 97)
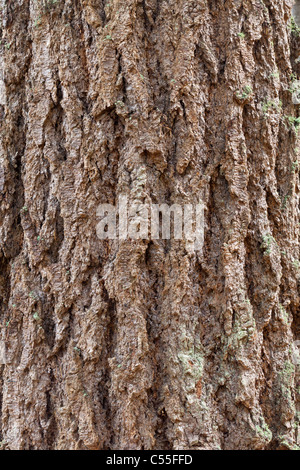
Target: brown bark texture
point(138, 344)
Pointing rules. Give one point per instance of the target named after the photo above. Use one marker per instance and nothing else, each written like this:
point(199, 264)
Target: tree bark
point(123, 344)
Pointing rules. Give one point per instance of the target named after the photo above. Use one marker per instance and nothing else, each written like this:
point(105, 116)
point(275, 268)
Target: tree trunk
point(143, 344)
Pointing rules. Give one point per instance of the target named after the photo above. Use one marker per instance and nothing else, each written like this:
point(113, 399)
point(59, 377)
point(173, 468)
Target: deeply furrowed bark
point(142, 344)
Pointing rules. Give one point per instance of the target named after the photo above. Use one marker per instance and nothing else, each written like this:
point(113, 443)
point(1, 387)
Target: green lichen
point(264, 432)
point(245, 93)
point(268, 242)
point(295, 166)
point(296, 264)
point(286, 383)
point(283, 315)
point(192, 362)
point(293, 122)
point(243, 330)
point(293, 27)
point(269, 105)
point(274, 74)
point(288, 370)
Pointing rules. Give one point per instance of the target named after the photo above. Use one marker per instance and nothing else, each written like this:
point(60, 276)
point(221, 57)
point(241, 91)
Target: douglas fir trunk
point(144, 344)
